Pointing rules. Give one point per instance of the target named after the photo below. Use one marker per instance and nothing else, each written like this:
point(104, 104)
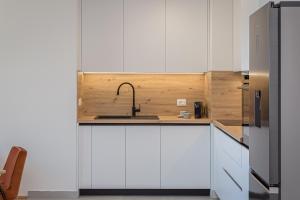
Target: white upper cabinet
point(186, 35)
point(144, 35)
point(166, 35)
point(102, 35)
point(221, 35)
point(237, 34)
point(242, 11)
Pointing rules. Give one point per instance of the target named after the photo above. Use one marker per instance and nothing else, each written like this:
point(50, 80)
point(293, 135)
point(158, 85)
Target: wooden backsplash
point(156, 93)
point(223, 96)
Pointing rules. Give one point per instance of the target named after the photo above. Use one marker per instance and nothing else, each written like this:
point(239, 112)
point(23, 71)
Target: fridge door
point(290, 98)
point(258, 191)
point(263, 92)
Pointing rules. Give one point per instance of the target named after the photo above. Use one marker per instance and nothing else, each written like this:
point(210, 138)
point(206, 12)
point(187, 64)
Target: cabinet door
point(84, 156)
point(216, 163)
point(186, 35)
point(108, 157)
point(185, 157)
point(221, 35)
point(102, 35)
point(230, 189)
point(143, 157)
point(242, 11)
point(144, 35)
point(245, 169)
point(231, 177)
point(237, 34)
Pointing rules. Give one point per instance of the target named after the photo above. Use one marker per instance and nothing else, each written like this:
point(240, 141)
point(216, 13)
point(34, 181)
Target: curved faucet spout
point(134, 109)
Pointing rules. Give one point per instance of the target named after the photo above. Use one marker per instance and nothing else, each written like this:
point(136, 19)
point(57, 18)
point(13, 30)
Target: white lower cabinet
point(108, 157)
point(84, 157)
point(231, 167)
point(143, 157)
point(185, 157)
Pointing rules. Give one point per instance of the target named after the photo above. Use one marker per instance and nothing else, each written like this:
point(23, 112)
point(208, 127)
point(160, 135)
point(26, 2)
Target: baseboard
point(21, 198)
point(183, 192)
point(53, 194)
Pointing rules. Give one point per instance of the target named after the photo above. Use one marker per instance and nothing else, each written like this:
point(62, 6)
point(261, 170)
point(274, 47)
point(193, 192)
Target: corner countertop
point(234, 129)
point(163, 120)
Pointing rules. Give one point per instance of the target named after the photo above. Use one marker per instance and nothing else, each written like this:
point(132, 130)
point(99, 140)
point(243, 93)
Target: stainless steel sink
point(146, 117)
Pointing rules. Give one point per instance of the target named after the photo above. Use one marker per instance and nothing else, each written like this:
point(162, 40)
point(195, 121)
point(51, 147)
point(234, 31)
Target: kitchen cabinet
point(229, 34)
point(166, 35)
point(221, 35)
point(242, 11)
point(231, 168)
point(84, 156)
point(102, 35)
point(245, 173)
point(186, 35)
point(108, 157)
point(144, 36)
point(143, 157)
point(185, 157)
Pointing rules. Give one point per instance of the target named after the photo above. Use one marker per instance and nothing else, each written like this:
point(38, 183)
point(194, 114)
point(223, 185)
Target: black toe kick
point(175, 192)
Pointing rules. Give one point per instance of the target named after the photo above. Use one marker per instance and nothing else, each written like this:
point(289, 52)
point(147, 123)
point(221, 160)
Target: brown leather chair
point(10, 181)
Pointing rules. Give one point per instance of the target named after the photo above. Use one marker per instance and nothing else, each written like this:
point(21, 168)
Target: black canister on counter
point(198, 109)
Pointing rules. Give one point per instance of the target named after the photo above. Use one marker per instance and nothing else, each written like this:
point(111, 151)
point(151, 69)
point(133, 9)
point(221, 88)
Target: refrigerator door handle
point(257, 108)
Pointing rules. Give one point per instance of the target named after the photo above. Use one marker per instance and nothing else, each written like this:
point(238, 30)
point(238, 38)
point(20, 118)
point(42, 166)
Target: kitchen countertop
point(172, 120)
point(234, 129)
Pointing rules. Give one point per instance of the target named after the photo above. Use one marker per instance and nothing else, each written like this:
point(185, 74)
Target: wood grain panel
point(223, 96)
point(156, 93)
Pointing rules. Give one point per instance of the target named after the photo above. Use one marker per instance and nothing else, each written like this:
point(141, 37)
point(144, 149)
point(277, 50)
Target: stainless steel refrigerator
point(274, 61)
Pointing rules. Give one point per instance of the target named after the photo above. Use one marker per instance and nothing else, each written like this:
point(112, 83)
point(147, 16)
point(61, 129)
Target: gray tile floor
point(145, 198)
point(136, 198)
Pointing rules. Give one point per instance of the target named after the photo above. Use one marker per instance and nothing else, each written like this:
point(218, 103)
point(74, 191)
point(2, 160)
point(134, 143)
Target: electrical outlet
point(181, 102)
point(80, 102)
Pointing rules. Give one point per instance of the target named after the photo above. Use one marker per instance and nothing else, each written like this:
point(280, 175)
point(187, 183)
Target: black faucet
point(134, 109)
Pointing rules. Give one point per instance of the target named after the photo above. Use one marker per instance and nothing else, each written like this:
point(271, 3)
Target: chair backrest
point(10, 181)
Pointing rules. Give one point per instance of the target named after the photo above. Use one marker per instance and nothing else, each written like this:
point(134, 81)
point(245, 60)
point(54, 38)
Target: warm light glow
point(158, 73)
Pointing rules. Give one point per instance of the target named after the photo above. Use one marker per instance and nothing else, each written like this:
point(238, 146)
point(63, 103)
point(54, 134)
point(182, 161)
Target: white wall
point(38, 62)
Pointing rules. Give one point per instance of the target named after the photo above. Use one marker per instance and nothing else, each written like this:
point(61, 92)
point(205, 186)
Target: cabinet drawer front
point(231, 148)
point(232, 190)
point(232, 167)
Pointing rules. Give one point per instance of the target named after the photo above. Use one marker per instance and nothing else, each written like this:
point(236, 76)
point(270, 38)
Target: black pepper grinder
point(198, 108)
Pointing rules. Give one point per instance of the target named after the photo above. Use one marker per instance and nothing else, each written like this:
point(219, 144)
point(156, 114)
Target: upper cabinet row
point(163, 35)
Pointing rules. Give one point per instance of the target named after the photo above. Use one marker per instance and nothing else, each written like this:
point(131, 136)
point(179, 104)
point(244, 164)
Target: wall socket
point(80, 102)
point(181, 102)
